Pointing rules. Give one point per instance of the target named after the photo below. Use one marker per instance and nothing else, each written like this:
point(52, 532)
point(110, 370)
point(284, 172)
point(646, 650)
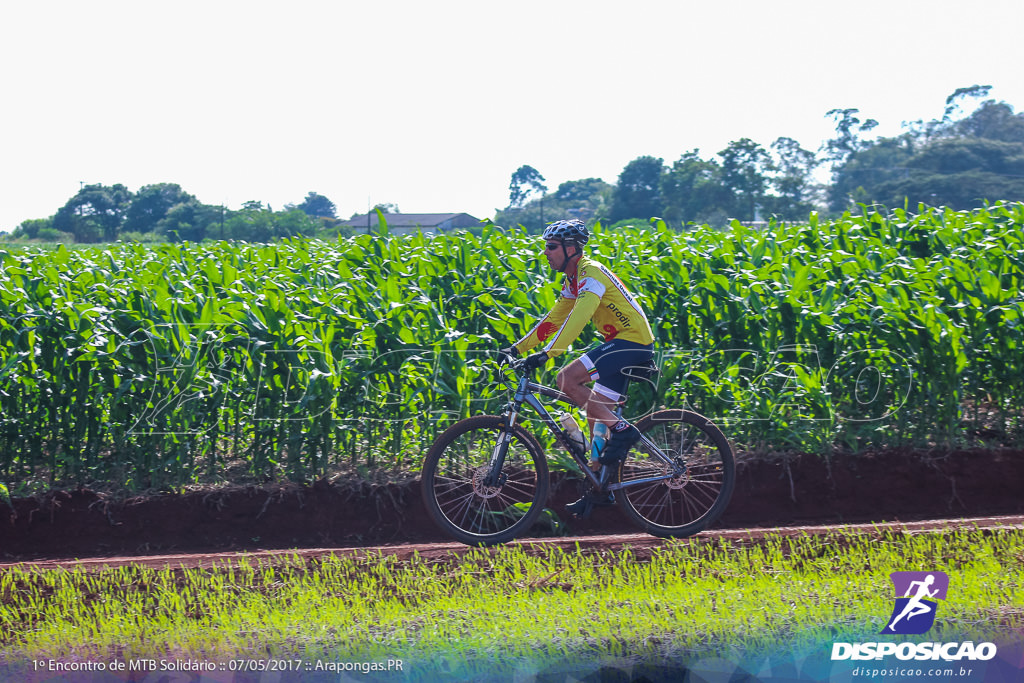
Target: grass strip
point(506, 608)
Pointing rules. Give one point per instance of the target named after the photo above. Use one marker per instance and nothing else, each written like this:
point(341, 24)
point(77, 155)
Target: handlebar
point(511, 361)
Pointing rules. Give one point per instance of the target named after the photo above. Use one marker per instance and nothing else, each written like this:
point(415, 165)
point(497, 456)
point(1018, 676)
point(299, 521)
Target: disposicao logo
point(917, 596)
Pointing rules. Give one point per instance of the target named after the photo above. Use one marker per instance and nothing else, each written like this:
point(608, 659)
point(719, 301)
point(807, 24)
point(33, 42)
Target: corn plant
point(158, 366)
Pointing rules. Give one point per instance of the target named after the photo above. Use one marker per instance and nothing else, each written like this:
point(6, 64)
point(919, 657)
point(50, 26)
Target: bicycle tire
point(455, 497)
point(687, 504)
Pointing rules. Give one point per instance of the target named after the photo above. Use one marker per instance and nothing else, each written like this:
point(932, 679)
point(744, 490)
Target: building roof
point(414, 220)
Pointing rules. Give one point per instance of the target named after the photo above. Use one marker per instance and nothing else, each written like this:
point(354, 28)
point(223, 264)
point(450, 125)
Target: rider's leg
point(600, 400)
point(572, 381)
point(603, 366)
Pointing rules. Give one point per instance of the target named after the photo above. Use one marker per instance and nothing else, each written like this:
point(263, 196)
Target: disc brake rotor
point(681, 477)
point(478, 483)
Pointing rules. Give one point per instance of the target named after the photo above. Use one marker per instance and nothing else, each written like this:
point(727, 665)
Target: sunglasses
point(551, 246)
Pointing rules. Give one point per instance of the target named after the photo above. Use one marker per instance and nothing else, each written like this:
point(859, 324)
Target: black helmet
point(572, 230)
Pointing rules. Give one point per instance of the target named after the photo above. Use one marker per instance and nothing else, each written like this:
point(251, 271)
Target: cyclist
point(590, 291)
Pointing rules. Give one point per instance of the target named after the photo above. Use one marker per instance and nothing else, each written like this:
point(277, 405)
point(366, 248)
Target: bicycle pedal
point(581, 509)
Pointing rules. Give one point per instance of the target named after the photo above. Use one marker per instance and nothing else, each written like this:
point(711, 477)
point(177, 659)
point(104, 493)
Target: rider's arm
point(546, 327)
point(566, 334)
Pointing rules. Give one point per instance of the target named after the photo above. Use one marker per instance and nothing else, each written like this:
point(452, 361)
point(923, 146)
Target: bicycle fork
point(495, 477)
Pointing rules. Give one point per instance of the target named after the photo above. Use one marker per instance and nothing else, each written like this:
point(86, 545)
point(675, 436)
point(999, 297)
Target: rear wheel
point(691, 490)
point(455, 485)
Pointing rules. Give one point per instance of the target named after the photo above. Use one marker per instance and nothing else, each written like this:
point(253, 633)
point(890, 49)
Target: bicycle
point(485, 479)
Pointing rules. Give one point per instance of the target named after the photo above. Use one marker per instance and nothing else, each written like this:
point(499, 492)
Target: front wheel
point(460, 497)
point(689, 482)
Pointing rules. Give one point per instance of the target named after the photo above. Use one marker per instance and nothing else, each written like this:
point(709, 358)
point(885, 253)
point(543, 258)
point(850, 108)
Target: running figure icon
point(915, 607)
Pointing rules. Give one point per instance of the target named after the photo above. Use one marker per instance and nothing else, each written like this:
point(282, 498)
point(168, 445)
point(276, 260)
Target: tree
point(745, 168)
point(924, 132)
point(959, 163)
point(692, 190)
point(840, 149)
point(150, 205)
point(526, 181)
point(581, 191)
point(192, 221)
point(994, 121)
point(588, 199)
point(252, 223)
point(294, 223)
point(848, 131)
point(386, 207)
point(856, 180)
point(960, 173)
point(95, 213)
point(318, 206)
point(792, 182)
point(638, 191)
point(953, 101)
point(34, 228)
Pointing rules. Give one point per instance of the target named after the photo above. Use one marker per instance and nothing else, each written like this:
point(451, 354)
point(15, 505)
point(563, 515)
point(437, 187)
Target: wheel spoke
point(695, 487)
point(454, 482)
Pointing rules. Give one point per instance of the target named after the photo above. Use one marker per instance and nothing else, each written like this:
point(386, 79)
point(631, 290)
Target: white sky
point(433, 105)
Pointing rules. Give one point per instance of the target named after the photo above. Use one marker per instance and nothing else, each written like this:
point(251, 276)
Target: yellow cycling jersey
point(597, 294)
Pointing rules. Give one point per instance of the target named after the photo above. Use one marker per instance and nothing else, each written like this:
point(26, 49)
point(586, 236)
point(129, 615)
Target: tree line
point(959, 160)
point(165, 212)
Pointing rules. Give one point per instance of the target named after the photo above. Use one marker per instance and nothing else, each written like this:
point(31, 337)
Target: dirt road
point(641, 544)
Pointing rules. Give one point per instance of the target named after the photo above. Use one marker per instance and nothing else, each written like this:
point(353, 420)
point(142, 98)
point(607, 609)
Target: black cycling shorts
point(606, 361)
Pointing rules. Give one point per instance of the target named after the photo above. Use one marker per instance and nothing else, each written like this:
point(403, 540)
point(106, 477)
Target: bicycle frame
point(528, 392)
point(486, 478)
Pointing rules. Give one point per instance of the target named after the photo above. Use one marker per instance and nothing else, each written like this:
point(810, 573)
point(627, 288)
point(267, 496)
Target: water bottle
point(575, 435)
point(600, 439)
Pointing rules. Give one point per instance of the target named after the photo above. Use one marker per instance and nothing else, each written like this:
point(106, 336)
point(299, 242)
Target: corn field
point(160, 366)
